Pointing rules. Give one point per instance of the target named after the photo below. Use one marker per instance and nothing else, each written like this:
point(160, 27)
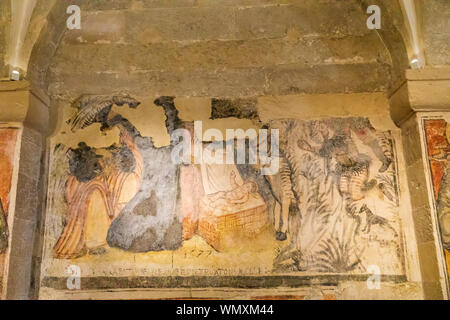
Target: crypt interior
point(354, 117)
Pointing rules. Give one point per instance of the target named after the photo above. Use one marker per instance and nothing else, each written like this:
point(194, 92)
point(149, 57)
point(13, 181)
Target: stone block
point(215, 54)
point(99, 28)
point(430, 271)
point(19, 276)
point(411, 141)
point(423, 224)
point(22, 238)
point(339, 78)
point(180, 24)
point(27, 198)
point(226, 83)
point(309, 18)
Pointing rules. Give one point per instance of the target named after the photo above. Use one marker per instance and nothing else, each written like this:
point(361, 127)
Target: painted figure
point(93, 173)
point(329, 175)
point(325, 213)
point(238, 195)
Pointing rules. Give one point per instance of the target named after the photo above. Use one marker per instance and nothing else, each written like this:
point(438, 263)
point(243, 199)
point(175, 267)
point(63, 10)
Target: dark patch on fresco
point(238, 108)
point(217, 281)
point(123, 159)
point(148, 207)
point(156, 180)
point(172, 121)
point(173, 236)
point(84, 163)
point(97, 251)
point(148, 241)
point(140, 244)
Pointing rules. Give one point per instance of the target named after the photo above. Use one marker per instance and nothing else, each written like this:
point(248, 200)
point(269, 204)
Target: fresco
point(437, 132)
point(127, 210)
point(341, 176)
point(8, 138)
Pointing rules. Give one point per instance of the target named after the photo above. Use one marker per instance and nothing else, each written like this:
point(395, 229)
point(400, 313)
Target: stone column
point(26, 108)
point(425, 90)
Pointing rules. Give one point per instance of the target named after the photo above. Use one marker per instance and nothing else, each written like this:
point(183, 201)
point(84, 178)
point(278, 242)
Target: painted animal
point(285, 201)
point(373, 219)
point(282, 185)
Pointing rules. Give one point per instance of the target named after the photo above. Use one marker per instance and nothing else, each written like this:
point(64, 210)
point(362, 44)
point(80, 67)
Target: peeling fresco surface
point(437, 133)
point(126, 210)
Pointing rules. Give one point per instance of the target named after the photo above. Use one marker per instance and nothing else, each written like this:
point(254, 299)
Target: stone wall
point(127, 269)
point(99, 193)
point(436, 23)
point(220, 49)
point(5, 22)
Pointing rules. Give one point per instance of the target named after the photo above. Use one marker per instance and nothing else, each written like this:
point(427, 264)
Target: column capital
point(22, 103)
point(423, 90)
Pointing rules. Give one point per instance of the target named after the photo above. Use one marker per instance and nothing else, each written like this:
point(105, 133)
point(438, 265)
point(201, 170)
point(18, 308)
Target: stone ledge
point(106, 283)
point(14, 85)
point(430, 73)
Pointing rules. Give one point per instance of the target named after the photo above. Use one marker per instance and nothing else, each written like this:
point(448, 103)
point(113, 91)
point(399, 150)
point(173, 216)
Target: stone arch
point(46, 45)
point(393, 35)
